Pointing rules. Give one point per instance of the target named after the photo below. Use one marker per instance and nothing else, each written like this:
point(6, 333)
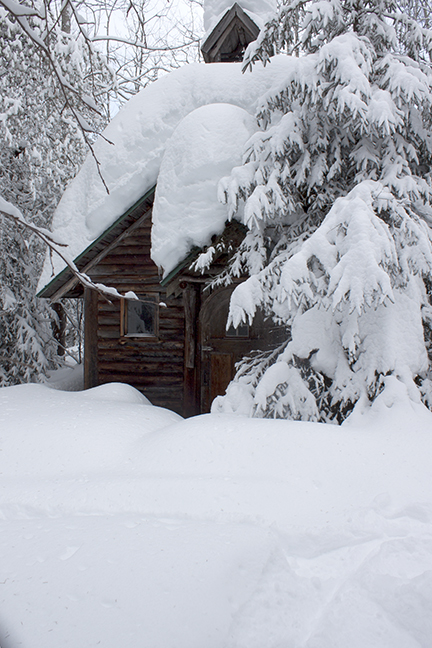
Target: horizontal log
point(108, 335)
point(172, 391)
point(129, 248)
point(170, 314)
point(170, 401)
point(131, 344)
point(128, 258)
point(164, 393)
point(170, 322)
point(140, 243)
point(171, 398)
point(137, 261)
point(132, 366)
point(169, 336)
point(151, 347)
point(112, 330)
point(109, 320)
point(153, 370)
point(144, 227)
point(107, 307)
point(166, 357)
point(141, 379)
point(140, 238)
point(120, 274)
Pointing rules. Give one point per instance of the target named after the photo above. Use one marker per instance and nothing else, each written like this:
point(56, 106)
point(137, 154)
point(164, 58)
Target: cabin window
point(242, 330)
point(140, 318)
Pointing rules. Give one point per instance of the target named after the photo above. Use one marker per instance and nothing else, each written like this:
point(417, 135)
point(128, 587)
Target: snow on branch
point(55, 245)
point(17, 9)
point(64, 52)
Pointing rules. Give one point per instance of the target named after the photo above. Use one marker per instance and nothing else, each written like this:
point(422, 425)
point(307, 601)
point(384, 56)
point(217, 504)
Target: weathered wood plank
point(141, 379)
point(90, 339)
point(169, 346)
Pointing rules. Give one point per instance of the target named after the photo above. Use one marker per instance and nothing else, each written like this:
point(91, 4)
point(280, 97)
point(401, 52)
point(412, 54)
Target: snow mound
point(204, 147)
point(71, 432)
point(134, 142)
point(116, 392)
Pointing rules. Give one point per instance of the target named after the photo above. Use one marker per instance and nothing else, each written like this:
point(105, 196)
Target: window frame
point(146, 298)
point(237, 335)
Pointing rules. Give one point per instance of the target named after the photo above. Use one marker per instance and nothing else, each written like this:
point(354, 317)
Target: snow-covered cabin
point(162, 158)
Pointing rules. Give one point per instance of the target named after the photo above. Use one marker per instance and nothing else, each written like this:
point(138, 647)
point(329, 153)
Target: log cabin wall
point(153, 365)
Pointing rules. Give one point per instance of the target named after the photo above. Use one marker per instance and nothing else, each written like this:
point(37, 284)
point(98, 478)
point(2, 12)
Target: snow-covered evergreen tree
point(27, 345)
point(336, 192)
point(41, 149)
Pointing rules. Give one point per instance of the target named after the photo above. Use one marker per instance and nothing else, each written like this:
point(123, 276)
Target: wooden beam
point(90, 338)
point(190, 310)
point(191, 302)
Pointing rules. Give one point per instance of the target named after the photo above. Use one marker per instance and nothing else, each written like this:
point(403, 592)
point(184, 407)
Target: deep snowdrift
point(122, 525)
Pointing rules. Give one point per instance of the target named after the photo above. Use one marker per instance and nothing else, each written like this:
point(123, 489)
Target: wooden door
point(221, 373)
point(221, 349)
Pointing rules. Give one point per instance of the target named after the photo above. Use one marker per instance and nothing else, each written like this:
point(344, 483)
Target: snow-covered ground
point(123, 525)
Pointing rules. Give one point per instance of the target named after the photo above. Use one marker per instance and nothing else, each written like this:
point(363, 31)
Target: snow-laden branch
point(50, 48)
point(16, 9)
point(58, 247)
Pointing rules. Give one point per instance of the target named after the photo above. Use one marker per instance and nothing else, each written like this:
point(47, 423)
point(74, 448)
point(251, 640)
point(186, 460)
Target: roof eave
point(65, 281)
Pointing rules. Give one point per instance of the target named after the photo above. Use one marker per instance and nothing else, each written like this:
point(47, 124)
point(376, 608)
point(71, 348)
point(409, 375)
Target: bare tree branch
point(126, 41)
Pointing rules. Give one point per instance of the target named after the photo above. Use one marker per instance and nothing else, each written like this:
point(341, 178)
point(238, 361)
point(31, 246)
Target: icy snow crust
point(139, 135)
point(123, 525)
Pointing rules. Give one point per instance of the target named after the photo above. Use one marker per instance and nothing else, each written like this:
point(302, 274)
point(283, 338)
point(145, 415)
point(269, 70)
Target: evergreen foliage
point(336, 193)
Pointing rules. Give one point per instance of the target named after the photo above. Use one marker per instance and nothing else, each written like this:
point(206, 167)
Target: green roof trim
point(190, 257)
point(96, 241)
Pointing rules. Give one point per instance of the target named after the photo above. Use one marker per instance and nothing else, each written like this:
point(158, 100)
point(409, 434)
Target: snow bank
point(134, 142)
point(56, 433)
point(121, 524)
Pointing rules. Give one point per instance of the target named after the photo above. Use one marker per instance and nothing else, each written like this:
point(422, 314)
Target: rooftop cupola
point(231, 31)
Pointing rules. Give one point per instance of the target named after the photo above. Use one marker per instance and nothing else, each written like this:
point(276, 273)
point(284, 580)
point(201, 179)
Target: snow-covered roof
point(133, 146)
